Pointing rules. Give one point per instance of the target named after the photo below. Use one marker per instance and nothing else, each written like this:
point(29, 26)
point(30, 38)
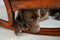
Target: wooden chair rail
point(43, 31)
point(35, 4)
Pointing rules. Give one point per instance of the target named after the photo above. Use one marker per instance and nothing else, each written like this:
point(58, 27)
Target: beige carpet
point(6, 34)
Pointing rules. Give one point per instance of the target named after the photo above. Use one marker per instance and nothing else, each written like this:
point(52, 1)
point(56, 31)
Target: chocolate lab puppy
point(27, 19)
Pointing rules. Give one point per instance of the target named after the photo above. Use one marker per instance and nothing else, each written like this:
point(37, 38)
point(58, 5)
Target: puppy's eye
point(31, 17)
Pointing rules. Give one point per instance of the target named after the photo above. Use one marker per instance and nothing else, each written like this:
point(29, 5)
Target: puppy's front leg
point(17, 28)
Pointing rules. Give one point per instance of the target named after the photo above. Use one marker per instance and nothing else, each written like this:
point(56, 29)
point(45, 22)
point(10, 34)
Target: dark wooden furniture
point(23, 4)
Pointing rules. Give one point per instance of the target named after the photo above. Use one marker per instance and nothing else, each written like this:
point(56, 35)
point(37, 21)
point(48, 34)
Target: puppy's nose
point(35, 30)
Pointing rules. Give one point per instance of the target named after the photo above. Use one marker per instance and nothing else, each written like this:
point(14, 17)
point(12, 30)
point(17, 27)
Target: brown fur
point(31, 17)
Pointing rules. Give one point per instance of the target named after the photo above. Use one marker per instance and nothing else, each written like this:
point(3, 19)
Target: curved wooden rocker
point(21, 4)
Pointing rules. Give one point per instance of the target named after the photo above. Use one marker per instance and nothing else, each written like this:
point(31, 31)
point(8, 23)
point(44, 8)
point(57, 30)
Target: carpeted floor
point(6, 34)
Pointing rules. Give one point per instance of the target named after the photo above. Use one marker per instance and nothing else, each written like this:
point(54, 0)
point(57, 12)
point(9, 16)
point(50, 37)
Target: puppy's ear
point(36, 12)
point(19, 12)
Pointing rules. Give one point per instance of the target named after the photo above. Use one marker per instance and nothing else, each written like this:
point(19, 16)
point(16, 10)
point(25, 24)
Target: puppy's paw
point(18, 31)
point(25, 27)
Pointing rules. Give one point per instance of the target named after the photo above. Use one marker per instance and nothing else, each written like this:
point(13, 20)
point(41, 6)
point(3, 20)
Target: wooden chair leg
point(9, 11)
point(8, 24)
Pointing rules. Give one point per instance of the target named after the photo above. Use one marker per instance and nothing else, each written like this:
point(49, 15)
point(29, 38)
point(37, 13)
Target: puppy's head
point(32, 17)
